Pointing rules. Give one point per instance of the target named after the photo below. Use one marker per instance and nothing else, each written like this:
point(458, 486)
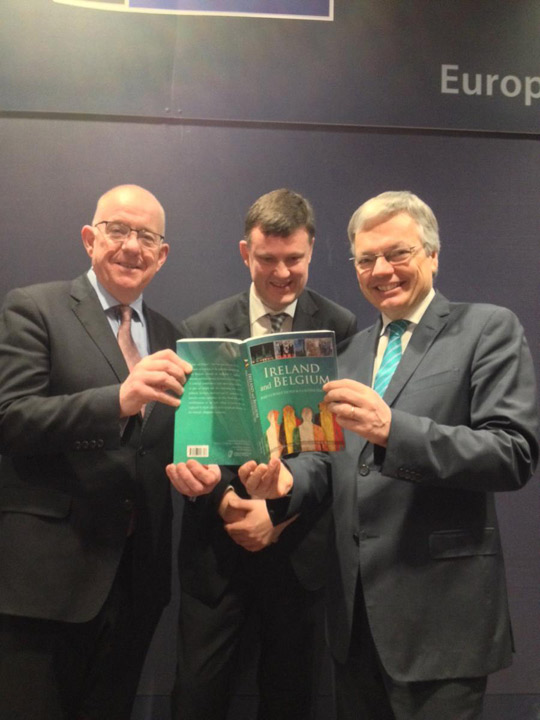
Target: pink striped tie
point(125, 339)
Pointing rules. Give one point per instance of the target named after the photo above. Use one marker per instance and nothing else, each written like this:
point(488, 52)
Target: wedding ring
point(352, 416)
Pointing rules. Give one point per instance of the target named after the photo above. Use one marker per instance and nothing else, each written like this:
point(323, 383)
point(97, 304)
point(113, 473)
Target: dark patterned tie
point(391, 357)
point(276, 321)
point(125, 339)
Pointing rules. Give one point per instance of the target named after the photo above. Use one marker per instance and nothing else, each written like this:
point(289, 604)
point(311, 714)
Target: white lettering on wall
point(453, 83)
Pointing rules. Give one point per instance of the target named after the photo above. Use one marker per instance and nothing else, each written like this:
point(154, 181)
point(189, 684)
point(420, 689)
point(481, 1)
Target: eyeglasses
point(119, 232)
point(397, 256)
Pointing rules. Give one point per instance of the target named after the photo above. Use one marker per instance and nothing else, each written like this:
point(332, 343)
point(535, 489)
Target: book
point(256, 399)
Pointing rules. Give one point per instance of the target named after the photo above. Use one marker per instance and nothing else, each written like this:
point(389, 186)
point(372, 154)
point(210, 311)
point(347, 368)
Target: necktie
point(132, 357)
point(391, 357)
point(125, 339)
point(276, 321)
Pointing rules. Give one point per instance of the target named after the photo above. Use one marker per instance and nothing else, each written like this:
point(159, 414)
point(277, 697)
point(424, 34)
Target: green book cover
point(256, 399)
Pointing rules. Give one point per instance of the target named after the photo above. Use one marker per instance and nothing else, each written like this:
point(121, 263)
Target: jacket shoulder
point(48, 298)
point(53, 289)
point(325, 303)
point(210, 321)
point(332, 315)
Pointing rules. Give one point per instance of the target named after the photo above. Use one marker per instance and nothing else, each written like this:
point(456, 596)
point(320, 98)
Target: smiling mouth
point(387, 288)
point(280, 286)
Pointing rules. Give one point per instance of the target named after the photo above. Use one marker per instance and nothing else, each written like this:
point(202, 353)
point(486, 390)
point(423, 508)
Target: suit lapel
point(237, 324)
point(90, 314)
point(304, 316)
point(431, 324)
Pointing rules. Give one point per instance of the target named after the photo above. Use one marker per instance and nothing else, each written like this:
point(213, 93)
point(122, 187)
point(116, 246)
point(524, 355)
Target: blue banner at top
point(394, 64)
point(305, 9)
point(315, 8)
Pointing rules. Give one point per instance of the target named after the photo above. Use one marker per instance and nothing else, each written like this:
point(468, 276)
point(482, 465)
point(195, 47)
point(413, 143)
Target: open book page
point(288, 372)
point(214, 423)
point(256, 399)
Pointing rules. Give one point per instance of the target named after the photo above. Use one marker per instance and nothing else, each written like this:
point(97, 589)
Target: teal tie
point(391, 357)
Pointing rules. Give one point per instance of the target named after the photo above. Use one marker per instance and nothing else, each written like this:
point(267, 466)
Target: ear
point(163, 253)
point(311, 250)
point(88, 235)
point(434, 263)
point(244, 252)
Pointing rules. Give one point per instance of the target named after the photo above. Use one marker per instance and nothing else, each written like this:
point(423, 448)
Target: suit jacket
point(69, 479)
point(416, 521)
point(210, 556)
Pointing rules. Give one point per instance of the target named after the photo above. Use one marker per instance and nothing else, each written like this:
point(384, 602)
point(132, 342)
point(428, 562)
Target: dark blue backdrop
point(90, 99)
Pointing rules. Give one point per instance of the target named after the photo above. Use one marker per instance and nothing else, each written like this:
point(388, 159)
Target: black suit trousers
point(291, 641)
point(364, 689)
point(52, 670)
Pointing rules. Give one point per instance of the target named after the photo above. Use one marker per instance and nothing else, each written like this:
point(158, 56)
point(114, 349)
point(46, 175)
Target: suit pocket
point(443, 377)
point(463, 543)
point(35, 501)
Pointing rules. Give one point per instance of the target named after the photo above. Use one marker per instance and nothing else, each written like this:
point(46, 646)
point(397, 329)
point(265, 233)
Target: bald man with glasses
point(88, 387)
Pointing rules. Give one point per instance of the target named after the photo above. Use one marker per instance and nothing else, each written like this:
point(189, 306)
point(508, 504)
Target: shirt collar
point(413, 316)
point(107, 301)
point(257, 309)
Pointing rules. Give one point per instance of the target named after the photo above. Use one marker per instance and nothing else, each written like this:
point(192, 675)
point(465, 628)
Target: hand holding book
point(193, 479)
point(267, 480)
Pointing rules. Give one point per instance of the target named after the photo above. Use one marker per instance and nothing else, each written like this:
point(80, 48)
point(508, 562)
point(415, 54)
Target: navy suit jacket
point(69, 479)
point(208, 556)
point(415, 522)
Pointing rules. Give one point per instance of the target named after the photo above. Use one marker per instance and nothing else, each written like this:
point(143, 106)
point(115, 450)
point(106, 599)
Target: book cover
point(256, 399)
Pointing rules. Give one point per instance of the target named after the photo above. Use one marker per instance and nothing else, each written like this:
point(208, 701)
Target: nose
point(382, 266)
point(131, 242)
point(281, 269)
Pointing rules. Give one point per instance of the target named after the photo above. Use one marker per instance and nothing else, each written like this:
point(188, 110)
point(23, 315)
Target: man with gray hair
point(438, 404)
point(233, 562)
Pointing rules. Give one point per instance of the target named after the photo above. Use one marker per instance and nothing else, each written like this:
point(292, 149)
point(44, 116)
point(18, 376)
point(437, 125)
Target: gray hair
point(280, 212)
point(384, 206)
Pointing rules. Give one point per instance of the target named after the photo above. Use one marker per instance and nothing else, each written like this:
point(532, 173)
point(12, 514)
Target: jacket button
point(77, 444)
point(128, 504)
point(142, 452)
point(100, 443)
point(84, 444)
point(364, 470)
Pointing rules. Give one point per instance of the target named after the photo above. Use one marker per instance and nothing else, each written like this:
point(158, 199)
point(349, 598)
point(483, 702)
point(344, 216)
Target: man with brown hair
point(233, 561)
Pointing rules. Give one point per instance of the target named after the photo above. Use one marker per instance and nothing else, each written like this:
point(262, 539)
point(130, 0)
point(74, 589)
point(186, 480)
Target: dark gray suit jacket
point(69, 481)
point(209, 557)
point(416, 521)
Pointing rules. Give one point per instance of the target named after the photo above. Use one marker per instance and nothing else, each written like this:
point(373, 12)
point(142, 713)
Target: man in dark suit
point(417, 609)
point(235, 561)
point(85, 435)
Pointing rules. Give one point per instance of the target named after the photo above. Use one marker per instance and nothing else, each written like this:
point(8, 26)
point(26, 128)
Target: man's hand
point(156, 378)
point(266, 481)
point(360, 409)
point(192, 478)
point(248, 522)
point(230, 508)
